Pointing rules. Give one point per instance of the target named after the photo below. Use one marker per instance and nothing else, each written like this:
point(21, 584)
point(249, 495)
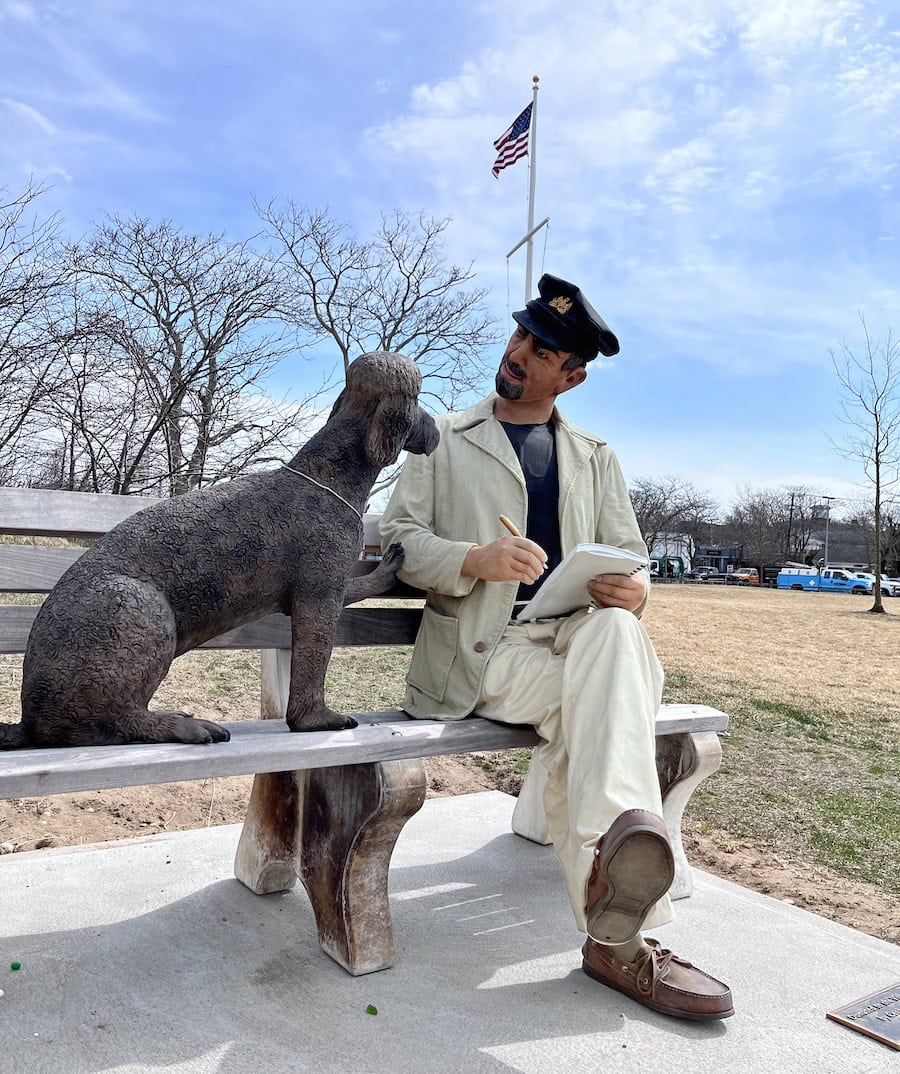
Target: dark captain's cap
point(562, 317)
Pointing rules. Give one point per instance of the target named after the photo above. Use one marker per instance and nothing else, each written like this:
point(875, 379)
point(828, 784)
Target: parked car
point(699, 574)
point(716, 576)
point(744, 576)
point(888, 588)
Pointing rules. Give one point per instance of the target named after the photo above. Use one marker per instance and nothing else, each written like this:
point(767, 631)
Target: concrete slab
point(147, 956)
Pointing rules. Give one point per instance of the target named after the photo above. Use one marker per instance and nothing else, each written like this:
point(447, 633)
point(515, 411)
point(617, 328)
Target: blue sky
point(719, 174)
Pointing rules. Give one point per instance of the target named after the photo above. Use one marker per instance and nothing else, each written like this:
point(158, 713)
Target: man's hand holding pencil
point(508, 559)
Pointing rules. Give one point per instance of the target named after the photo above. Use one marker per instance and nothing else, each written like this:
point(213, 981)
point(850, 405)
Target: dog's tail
point(12, 736)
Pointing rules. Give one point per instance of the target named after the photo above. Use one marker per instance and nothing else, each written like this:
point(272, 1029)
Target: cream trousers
point(591, 685)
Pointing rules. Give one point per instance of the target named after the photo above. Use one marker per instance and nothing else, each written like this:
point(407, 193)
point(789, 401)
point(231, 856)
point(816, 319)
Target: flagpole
point(532, 150)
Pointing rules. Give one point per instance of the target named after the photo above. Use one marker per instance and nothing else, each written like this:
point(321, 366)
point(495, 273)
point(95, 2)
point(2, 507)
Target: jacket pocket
point(434, 653)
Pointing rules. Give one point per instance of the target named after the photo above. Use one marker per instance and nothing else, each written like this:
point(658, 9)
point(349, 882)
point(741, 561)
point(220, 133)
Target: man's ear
point(574, 377)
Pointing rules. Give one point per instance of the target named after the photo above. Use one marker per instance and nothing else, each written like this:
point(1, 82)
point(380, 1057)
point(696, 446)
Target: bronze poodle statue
point(183, 571)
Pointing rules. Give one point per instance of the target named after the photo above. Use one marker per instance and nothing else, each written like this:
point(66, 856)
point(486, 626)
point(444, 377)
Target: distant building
point(722, 558)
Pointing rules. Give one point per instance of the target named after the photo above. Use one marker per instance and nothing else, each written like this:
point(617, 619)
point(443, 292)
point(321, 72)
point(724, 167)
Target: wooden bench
point(326, 806)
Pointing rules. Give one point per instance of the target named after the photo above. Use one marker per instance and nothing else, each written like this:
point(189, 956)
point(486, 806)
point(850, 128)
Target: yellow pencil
point(512, 529)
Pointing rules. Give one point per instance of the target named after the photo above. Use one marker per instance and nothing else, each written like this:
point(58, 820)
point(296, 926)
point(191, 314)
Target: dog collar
point(319, 484)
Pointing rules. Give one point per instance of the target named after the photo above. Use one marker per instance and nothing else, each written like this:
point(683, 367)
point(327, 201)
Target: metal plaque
point(877, 1015)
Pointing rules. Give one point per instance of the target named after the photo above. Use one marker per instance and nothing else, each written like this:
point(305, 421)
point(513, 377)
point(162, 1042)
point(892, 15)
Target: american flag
point(513, 142)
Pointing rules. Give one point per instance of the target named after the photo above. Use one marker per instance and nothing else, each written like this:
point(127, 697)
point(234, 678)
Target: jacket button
point(480, 646)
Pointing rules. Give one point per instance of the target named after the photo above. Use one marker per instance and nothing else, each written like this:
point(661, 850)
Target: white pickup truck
point(888, 588)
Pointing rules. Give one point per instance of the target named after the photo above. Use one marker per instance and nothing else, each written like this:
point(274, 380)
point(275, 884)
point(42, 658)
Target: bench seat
point(268, 746)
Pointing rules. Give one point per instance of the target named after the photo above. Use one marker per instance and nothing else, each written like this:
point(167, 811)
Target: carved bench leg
point(683, 762)
point(269, 847)
point(351, 817)
point(335, 828)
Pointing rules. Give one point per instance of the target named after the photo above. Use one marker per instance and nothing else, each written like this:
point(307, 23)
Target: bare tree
point(757, 524)
point(870, 410)
point(31, 277)
point(174, 338)
point(670, 505)
point(775, 525)
point(393, 291)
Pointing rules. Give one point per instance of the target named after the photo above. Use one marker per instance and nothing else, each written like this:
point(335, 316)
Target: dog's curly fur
point(183, 571)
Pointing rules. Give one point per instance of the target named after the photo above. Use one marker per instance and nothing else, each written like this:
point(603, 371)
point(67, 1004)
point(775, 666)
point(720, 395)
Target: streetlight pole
point(828, 500)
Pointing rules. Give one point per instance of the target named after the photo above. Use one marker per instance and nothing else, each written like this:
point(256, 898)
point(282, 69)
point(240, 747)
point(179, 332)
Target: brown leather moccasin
point(660, 980)
point(633, 867)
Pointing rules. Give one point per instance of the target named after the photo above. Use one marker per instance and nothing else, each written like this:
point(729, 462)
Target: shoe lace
point(653, 963)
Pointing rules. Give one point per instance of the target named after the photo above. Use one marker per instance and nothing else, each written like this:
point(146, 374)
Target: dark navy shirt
point(535, 447)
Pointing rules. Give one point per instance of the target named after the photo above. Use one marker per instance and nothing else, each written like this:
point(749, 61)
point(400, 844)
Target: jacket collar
point(483, 411)
point(574, 446)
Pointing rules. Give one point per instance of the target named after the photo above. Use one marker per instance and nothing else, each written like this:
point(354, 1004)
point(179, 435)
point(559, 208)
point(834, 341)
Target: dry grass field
point(806, 805)
point(812, 684)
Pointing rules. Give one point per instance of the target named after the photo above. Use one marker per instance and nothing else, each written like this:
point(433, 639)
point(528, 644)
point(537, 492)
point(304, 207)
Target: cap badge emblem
point(561, 304)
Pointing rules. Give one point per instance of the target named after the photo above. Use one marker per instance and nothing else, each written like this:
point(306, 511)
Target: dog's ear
point(388, 430)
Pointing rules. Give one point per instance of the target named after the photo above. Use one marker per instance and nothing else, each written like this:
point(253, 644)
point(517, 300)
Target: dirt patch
point(823, 891)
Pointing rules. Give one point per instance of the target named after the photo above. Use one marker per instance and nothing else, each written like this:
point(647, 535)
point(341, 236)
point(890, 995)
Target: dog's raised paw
point(394, 555)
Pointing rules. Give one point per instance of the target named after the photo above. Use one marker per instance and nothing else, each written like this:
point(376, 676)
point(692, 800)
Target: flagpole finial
point(535, 78)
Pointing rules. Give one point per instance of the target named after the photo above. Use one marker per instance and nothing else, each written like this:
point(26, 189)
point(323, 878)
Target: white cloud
point(18, 10)
point(775, 30)
point(46, 171)
point(29, 113)
point(680, 144)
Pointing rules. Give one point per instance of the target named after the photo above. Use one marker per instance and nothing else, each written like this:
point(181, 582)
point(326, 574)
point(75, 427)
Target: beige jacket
point(447, 502)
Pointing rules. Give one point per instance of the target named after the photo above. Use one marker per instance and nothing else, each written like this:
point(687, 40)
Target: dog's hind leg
point(127, 726)
point(164, 725)
point(95, 658)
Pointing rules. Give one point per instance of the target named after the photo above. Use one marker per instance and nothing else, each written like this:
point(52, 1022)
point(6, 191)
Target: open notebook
point(565, 589)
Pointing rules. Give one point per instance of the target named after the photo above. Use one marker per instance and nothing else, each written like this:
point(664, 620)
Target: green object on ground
point(371, 1009)
point(15, 965)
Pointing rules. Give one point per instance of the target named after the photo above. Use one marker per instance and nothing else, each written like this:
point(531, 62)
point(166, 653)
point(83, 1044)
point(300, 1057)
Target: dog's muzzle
point(424, 436)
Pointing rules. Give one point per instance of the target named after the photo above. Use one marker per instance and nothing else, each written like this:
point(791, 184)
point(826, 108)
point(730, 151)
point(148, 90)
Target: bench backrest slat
point(33, 569)
point(44, 513)
point(37, 569)
point(26, 568)
point(357, 626)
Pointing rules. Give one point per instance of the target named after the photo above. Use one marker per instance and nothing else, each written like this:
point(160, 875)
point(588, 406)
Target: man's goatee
point(506, 389)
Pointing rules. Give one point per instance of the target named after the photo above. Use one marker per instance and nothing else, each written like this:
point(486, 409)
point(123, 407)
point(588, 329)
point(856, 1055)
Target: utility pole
point(828, 500)
point(787, 546)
